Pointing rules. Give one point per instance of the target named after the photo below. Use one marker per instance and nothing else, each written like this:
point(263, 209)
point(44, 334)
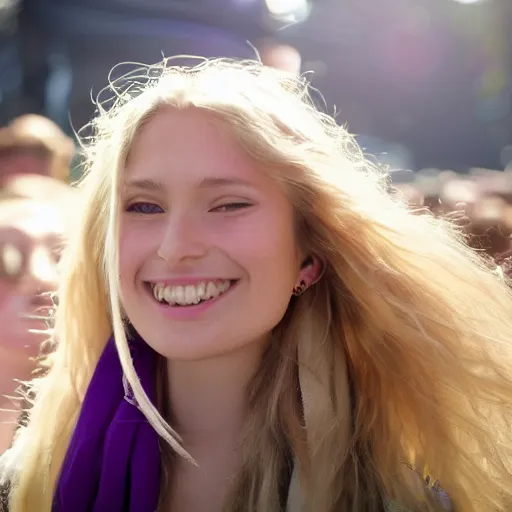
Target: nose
point(183, 240)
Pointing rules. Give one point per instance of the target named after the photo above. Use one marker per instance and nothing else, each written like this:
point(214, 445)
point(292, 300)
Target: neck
point(207, 398)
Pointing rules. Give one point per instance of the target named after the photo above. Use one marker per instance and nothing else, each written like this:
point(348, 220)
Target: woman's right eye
point(144, 208)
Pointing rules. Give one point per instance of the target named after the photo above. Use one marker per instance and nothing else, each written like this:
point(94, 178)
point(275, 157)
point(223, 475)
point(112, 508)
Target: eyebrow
point(222, 182)
point(145, 184)
point(152, 185)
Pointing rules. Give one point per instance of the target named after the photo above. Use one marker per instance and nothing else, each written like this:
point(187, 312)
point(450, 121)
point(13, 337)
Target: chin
point(187, 347)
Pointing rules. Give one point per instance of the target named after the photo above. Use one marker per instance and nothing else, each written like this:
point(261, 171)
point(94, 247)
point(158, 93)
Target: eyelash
point(139, 208)
point(229, 207)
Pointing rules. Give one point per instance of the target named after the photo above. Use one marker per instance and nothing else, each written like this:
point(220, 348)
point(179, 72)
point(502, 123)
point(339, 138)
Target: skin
point(195, 206)
point(21, 164)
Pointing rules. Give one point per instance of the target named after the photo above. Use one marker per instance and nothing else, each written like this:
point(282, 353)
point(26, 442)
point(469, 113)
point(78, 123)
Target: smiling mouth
point(191, 294)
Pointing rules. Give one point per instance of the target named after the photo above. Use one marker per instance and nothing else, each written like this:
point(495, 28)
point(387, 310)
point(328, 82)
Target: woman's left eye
point(144, 208)
point(229, 207)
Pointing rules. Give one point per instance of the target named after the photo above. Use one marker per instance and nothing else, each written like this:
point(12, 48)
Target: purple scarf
point(113, 461)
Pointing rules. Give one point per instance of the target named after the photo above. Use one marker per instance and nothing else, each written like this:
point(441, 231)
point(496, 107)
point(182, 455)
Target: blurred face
point(29, 239)
point(22, 164)
point(208, 256)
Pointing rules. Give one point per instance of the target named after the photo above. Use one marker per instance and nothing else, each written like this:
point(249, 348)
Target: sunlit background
point(423, 83)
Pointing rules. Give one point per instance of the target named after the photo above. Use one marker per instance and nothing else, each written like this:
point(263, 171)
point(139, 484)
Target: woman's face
point(208, 256)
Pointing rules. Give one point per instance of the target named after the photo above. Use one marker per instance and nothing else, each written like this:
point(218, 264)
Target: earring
point(300, 288)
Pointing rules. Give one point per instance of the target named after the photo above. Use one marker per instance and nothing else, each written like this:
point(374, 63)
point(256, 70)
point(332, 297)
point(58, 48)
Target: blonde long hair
point(404, 356)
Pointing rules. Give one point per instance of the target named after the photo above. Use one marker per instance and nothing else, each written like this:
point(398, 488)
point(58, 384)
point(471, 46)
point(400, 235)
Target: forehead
point(187, 144)
point(24, 161)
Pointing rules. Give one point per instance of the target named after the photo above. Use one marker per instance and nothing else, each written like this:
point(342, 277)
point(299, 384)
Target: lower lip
point(190, 312)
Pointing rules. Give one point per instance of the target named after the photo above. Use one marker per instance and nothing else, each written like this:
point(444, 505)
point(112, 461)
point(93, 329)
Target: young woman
point(248, 321)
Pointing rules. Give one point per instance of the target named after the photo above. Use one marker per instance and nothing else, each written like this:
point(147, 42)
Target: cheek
point(267, 250)
point(135, 247)
point(127, 257)
point(267, 254)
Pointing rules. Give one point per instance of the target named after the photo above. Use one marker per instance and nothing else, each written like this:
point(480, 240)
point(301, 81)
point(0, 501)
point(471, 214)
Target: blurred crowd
point(480, 203)
point(35, 213)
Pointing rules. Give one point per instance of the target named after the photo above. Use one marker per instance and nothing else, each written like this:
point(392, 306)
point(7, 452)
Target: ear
point(311, 271)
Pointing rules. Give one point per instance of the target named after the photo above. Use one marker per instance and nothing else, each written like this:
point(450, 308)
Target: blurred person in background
point(35, 213)
point(34, 145)
point(280, 56)
point(30, 236)
point(479, 203)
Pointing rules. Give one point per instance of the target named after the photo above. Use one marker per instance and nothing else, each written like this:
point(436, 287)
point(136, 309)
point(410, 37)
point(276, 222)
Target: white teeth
point(190, 294)
point(212, 290)
point(158, 291)
point(166, 294)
